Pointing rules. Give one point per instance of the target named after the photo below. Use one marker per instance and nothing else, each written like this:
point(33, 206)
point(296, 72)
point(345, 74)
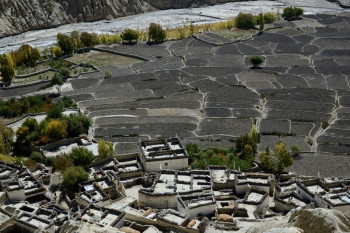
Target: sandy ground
point(167, 18)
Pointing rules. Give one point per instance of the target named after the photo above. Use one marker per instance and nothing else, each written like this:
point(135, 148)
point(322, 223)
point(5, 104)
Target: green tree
point(156, 33)
point(86, 39)
point(74, 126)
point(277, 160)
point(8, 61)
point(242, 141)
point(56, 51)
point(261, 22)
point(82, 156)
point(105, 149)
point(129, 35)
point(73, 176)
point(62, 162)
point(6, 136)
point(66, 43)
point(57, 79)
point(245, 21)
point(256, 60)
point(7, 73)
point(75, 37)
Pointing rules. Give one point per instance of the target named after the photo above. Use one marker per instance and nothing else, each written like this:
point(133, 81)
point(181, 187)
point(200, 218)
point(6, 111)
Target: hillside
point(17, 16)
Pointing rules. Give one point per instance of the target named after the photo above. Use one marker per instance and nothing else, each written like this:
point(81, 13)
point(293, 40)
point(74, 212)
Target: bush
point(55, 112)
point(277, 160)
point(256, 60)
point(64, 72)
point(7, 159)
point(292, 13)
point(156, 33)
point(86, 39)
point(53, 131)
point(105, 149)
point(74, 127)
point(245, 21)
point(50, 161)
point(65, 43)
point(36, 156)
point(82, 156)
point(129, 35)
point(7, 73)
point(6, 136)
point(261, 21)
point(295, 150)
point(108, 74)
point(62, 162)
point(56, 51)
point(269, 17)
point(73, 176)
point(56, 80)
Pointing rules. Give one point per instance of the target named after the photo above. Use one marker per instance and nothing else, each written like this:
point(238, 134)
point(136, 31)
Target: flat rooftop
point(162, 149)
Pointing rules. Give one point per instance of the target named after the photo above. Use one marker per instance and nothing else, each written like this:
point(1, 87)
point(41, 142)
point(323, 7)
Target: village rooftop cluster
point(126, 192)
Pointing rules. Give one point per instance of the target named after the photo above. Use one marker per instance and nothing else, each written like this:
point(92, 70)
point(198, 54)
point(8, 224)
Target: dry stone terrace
point(208, 94)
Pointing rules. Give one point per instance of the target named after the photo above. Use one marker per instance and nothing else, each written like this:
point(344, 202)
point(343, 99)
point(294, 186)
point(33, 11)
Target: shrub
point(7, 73)
point(6, 136)
point(55, 112)
point(62, 162)
point(53, 131)
point(242, 141)
point(108, 74)
point(269, 17)
point(49, 161)
point(56, 80)
point(105, 149)
point(256, 60)
point(74, 127)
point(292, 13)
point(73, 176)
point(277, 160)
point(65, 43)
point(36, 156)
point(56, 51)
point(64, 72)
point(68, 102)
point(86, 39)
point(245, 21)
point(7, 159)
point(261, 22)
point(295, 150)
point(129, 35)
point(82, 156)
point(156, 33)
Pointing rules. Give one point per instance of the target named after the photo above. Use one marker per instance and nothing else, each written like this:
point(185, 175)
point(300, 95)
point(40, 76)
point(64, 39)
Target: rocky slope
point(307, 221)
point(18, 16)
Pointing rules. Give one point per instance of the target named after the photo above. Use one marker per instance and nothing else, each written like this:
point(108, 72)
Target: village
point(153, 191)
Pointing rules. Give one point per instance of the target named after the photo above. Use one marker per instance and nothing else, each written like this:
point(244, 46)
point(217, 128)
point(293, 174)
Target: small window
point(166, 164)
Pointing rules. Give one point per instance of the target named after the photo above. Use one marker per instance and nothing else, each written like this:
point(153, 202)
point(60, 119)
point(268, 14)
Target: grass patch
point(235, 34)
point(39, 77)
point(101, 59)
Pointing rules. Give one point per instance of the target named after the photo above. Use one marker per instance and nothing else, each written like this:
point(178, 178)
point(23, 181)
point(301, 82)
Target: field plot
point(101, 59)
point(208, 94)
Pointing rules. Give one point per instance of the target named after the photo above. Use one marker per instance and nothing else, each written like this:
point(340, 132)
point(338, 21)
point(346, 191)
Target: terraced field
point(208, 94)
